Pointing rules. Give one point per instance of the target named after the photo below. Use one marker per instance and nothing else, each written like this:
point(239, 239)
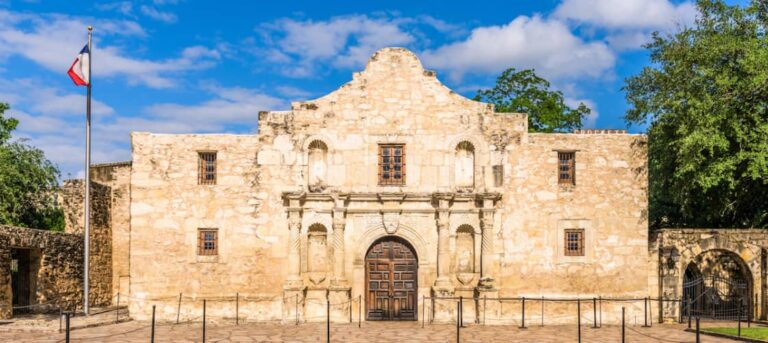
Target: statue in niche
point(465, 165)
point(317, 156)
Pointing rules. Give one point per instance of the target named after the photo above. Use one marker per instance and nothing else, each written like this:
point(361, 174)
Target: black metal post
point(203, 320)
point(523, 314)
point(688, 309)
point(698, 336)
point(645, 312)
point(152, 335)
point(738, 314)
point(237, 308)
point(360, 311)
point(578, 317)
point(458, 324)
point(460, 317)
point(60, 315)
point(623, 333)
point(178, 309)
point(594, 313)
point(328, 321)
point(66, 322)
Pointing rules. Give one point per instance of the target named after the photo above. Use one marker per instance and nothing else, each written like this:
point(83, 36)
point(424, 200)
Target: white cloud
point(38, 98)
point(627, 14)
point(293, 92)
point(341, 41)
point(54, 40)
point(166, 17)
point(124, 7)
point(549, 46)
point(230, 106)
point(629, 23)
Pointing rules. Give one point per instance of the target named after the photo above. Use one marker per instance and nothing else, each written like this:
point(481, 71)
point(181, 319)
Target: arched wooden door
point(391, 280)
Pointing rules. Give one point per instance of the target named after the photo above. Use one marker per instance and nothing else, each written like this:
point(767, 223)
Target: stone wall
point(101, 269)
point(59, 272)
point(306, 188)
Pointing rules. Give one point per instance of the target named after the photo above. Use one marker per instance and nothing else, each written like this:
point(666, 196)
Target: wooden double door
point(391, 280)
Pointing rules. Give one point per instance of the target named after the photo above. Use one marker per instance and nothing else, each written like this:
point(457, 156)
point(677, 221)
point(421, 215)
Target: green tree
point(525, 92)
point(705, 99)
point(28, 182)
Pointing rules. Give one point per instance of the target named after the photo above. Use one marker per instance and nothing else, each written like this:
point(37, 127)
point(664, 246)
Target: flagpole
point(88, 176)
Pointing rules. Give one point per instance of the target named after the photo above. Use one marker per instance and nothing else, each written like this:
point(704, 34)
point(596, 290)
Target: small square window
point(207, 242)
point(566, 168)
point(574, 242)
point(207, 168)
point(391, 164)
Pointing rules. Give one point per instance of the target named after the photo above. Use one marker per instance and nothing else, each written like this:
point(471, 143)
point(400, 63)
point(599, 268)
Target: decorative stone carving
point(391, 221)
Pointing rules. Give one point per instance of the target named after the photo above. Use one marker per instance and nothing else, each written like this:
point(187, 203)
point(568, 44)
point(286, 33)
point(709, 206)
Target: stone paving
point(399, 332)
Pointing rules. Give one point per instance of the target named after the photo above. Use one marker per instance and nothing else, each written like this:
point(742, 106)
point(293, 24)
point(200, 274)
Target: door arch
point(391, 280)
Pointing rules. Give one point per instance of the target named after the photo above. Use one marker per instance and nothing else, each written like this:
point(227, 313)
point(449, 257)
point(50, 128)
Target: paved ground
point(370, 332)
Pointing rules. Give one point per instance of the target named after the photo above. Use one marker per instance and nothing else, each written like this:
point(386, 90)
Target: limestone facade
point(297, 206)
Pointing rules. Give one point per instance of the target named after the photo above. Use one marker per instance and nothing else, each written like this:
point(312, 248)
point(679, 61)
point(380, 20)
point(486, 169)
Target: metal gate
point(717, 298)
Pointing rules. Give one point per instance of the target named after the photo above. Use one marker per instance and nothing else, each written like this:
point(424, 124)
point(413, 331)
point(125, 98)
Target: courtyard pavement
point(399, 332)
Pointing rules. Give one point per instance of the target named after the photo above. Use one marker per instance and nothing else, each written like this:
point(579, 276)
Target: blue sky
point(209, 66)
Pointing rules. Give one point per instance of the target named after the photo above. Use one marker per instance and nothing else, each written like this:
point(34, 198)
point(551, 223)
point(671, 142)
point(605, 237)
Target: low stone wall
point(59, 275)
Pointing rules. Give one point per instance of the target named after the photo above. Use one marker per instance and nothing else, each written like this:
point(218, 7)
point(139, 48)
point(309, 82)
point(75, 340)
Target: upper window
point(566, 168)
point(574, 242)
point(391, 164)
point(207, 168)
point(207, 242)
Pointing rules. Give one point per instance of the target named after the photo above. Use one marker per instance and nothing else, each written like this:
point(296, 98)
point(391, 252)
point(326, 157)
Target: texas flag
point(80, 70)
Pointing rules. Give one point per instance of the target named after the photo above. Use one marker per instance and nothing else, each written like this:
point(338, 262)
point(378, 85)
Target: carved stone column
point(294, 244)
point(486, 246)
point(293, 289)
point(339, 225)
point(443, 255)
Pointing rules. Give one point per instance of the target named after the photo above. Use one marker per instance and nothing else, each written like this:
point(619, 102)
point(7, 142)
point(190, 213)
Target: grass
point(754, 333)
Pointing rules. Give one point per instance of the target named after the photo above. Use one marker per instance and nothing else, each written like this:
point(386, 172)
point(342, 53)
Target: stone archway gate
point(674, 249)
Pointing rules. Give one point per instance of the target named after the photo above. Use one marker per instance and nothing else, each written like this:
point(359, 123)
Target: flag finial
point(90, 28)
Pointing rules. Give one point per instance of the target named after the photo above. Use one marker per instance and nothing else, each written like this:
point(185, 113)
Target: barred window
point(574, 242)
point(207, 242)
point(391, 164)
point(566, 168)
point(207, 168)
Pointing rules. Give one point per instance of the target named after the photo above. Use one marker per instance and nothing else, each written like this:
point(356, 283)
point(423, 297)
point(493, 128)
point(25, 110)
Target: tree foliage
point(28, 182)
point(705, 98)
point(525, 92)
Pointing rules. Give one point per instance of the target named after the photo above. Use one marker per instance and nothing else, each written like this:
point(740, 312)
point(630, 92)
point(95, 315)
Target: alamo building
point(389, 194)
